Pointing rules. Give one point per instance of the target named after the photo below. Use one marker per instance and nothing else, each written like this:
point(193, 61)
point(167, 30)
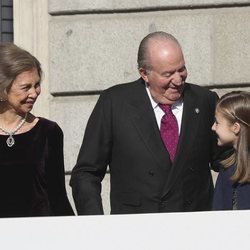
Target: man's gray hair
point(142, 57)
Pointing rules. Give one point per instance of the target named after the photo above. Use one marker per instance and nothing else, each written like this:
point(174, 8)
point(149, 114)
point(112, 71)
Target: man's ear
point(143, 74)
point(236, 128)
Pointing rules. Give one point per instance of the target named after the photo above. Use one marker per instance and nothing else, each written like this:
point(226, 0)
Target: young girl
point(232, 190)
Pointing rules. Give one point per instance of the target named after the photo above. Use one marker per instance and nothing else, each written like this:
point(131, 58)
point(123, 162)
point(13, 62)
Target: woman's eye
point(37, 85)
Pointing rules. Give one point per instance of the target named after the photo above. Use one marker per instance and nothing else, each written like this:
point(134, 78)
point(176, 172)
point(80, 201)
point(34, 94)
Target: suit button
point(163, 203)
point(188, 202)
point(150, 172)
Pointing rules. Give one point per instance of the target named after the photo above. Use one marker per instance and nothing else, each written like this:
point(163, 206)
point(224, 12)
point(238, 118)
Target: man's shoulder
point(126, 86)
point(199, 90)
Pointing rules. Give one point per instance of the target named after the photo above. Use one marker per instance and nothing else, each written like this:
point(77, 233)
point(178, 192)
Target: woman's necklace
point(10, 140)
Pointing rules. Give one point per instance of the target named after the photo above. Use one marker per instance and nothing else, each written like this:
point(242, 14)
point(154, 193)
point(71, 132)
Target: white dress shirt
point(177, 109)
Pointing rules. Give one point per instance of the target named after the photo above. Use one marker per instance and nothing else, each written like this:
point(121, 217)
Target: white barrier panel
point(228, 230)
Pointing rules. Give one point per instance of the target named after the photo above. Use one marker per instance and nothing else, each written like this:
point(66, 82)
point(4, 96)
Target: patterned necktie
point(169, 130)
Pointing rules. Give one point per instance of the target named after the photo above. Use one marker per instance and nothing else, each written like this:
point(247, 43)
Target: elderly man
point(155, 136)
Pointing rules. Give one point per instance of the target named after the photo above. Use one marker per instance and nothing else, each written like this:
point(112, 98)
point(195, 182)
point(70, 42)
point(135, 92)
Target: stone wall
point(92, 45)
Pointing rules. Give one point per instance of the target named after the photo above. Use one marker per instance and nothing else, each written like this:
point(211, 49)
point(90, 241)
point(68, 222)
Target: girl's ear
point(236, 128)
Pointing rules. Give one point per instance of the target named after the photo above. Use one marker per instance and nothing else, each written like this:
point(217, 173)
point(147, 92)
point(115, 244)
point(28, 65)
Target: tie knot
point(166, 108)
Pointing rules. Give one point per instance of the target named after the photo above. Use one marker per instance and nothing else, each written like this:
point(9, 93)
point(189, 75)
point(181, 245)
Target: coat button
point(163, 203)
point(150, 172)
point(191, 169)
point(188, 202)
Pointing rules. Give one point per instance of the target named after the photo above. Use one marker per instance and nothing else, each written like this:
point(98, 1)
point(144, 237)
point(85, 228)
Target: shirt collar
point(177, 105)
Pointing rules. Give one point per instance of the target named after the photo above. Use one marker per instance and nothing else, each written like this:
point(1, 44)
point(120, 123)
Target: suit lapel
point(189, 125)
point(189, 128)
point(143, 118)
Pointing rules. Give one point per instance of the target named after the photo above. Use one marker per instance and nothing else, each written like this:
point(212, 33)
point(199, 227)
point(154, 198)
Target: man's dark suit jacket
point(122, 132)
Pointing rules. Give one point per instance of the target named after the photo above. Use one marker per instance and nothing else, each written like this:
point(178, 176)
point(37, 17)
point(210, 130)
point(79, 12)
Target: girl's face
point(227, 132)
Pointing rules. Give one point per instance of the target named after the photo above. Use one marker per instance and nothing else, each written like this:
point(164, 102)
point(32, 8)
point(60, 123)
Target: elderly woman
point(32, 181)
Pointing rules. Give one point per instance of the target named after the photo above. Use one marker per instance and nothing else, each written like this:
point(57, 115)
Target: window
point(6, 21)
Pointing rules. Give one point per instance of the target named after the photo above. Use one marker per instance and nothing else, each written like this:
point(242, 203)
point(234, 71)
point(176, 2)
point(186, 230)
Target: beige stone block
point(90, 5)
point(93, 52)
point(221, 92)
point(106, 194)
point(72, 113)
point(231, 47)
point(69, 192)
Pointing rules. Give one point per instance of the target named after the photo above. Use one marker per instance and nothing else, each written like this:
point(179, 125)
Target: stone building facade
point(86, 46)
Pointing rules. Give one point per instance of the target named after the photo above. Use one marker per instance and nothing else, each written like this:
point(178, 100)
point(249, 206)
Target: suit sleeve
point(59, 203)
point(93, 159)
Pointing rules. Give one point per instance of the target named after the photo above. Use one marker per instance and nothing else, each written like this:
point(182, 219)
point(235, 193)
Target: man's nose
point(177, 78)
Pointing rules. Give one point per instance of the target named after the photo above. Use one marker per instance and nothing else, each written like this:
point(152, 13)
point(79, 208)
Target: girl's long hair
point(235, 107)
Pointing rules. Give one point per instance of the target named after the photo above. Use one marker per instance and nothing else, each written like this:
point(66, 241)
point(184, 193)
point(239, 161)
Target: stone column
point(31, 20)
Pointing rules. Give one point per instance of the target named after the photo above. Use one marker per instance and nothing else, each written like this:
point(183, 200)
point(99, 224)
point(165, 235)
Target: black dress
point(32, 181)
